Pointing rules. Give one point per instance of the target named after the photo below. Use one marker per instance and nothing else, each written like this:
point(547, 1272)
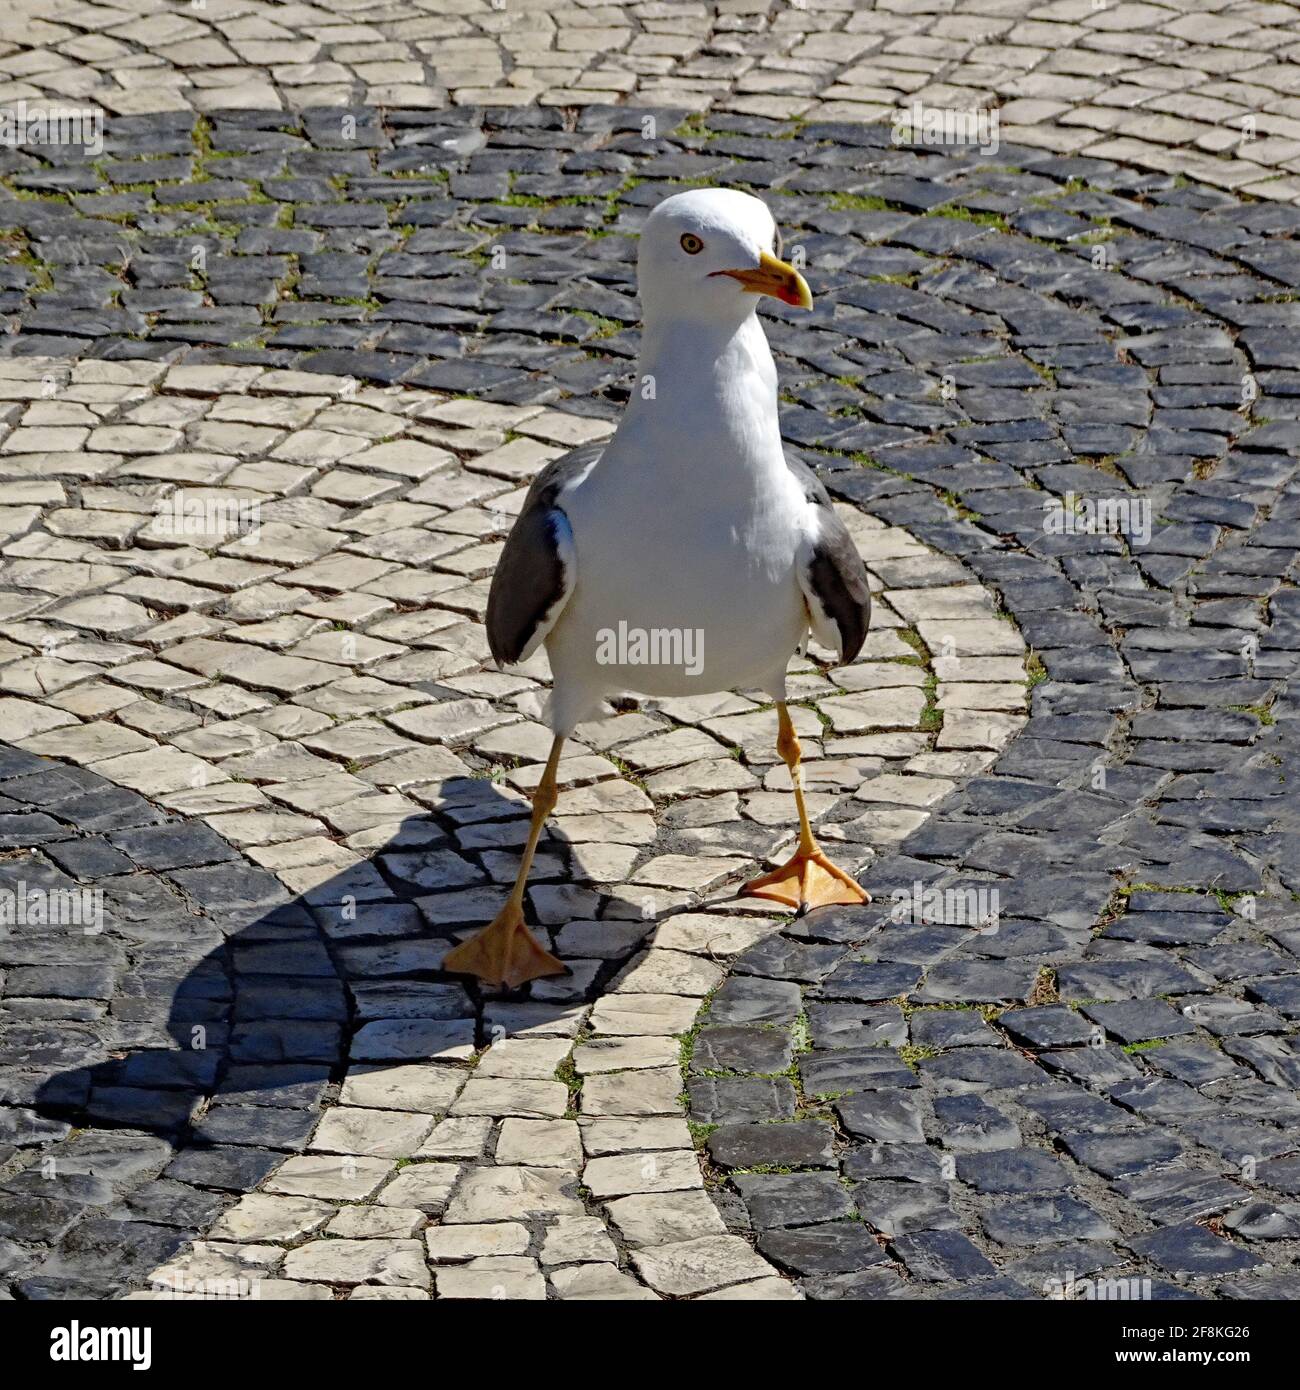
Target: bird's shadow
point(239, 1003)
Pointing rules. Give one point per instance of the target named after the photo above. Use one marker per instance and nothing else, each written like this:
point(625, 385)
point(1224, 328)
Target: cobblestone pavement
point(1210, 85)
point(251, 510)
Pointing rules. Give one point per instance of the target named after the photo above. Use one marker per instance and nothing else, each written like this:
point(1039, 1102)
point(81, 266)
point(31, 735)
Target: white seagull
point(690, 531)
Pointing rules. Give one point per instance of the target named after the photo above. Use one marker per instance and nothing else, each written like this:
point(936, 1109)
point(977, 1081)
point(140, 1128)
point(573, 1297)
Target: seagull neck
point(709, 376)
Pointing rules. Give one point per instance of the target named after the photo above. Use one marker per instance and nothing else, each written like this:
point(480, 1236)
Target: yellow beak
point(777, 278)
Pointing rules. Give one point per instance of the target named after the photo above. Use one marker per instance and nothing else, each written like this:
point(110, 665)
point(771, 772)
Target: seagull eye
point(691, 244)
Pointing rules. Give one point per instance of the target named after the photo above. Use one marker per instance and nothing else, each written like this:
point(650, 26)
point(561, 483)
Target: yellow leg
point(808, 878)
point(505, 953)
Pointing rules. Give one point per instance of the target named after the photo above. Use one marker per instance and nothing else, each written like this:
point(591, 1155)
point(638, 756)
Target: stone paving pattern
point(1207, 86)
point(1106, 1084)
point(1211, 82)
point(326, 713)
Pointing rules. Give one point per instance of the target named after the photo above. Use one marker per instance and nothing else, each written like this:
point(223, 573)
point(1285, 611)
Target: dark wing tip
point(531, 580)
point(836, 572)
point(839, 579)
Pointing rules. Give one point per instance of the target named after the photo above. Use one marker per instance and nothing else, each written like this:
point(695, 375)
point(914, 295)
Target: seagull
point(689, 553)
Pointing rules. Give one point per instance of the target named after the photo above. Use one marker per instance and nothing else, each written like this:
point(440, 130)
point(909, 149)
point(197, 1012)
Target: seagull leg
point(505, 953)
point(808, 878)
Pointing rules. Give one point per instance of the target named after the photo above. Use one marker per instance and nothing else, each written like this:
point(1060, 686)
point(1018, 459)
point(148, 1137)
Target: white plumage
point(691, 522)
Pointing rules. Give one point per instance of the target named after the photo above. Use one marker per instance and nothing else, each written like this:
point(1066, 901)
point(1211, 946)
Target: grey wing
point(538, 567)
point(831, 573)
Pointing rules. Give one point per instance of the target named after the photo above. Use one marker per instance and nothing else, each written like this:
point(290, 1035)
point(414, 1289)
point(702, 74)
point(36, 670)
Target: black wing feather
point(531, 579)
point(836, 573)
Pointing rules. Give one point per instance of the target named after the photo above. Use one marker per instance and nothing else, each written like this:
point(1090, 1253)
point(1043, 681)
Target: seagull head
point(708, 254)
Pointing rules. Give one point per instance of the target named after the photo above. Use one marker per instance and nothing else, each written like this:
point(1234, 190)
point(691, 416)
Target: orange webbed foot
point(505, 954)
